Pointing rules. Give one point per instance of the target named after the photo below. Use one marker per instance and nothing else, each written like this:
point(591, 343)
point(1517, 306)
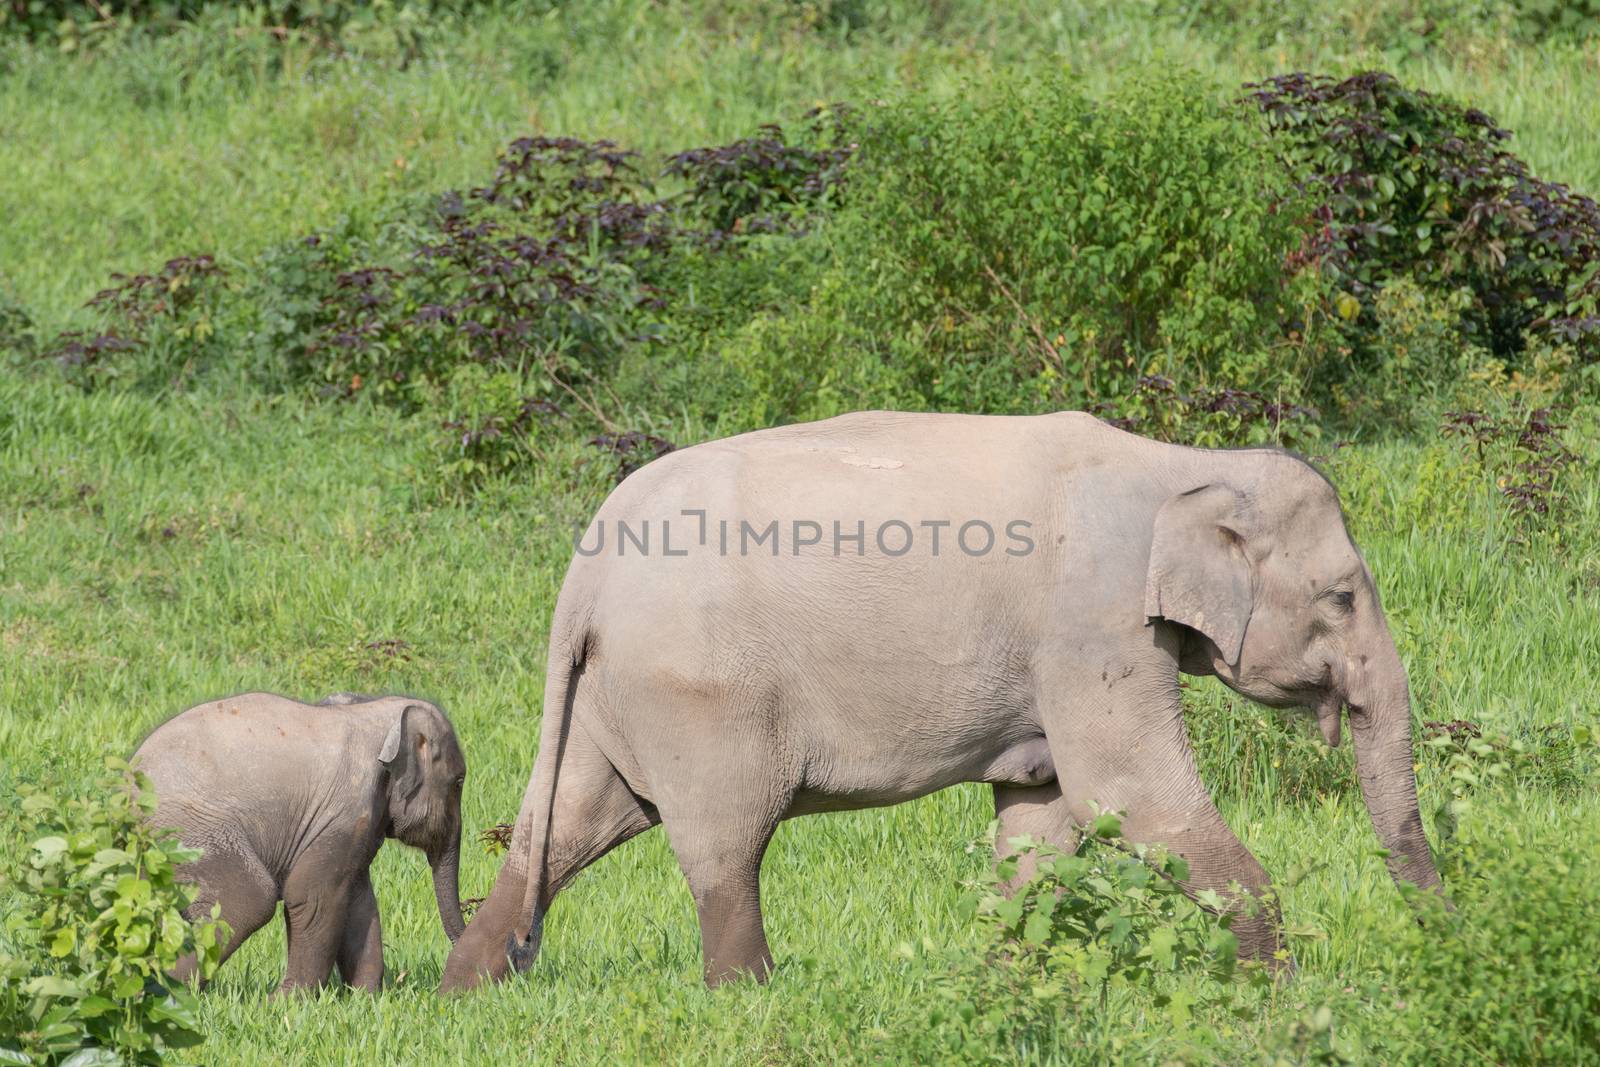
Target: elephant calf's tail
point(561, 687)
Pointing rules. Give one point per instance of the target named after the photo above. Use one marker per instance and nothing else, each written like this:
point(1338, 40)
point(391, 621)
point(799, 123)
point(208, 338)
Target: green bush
point(1411, 184)
point(95, 928)
point(1023, 246)
point(1420, 358)
point(491, 426)
point(1059, 959)
point(1510, 976)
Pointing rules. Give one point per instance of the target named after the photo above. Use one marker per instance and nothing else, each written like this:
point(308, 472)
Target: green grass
point(157, 551)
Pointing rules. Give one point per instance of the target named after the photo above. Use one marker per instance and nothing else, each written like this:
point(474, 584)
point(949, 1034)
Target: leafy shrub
point(1109, 919)
point(490, 425)
point(1309, 1040)
point(173, 306)
point(537, 272)
point(87, 949)
point(1525, 451)
point(1023, 246)
point(1419, 357)
point(759, 184)
point(1471, 761)
point(632, 449)
point(1410, 183)
point(1510, 976)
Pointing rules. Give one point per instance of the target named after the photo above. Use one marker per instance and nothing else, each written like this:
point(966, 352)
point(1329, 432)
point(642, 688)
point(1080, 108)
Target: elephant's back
point(208, 748)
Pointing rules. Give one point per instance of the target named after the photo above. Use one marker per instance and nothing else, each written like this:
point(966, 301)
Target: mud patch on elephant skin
point(876, 463)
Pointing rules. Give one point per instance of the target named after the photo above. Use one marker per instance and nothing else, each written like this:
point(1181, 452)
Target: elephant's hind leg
point(241, 885)
point(724, 799)
point(1039, 812)
point(725, 878)
point(594, 812)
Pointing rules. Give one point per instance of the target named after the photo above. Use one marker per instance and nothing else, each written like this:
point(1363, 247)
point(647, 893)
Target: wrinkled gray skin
point(291, 802)
point(719, 695)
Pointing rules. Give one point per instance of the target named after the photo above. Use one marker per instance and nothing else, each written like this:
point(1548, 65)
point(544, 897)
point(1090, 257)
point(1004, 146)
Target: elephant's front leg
point(1118, 739)
point(316, 909)
point(361, 950)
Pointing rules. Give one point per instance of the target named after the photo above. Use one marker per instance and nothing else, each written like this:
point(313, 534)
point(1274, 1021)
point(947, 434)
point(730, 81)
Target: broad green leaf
point(1037, 929)
point(1105, 825)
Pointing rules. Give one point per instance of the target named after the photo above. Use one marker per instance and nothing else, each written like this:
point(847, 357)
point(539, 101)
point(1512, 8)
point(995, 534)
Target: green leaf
point(93, 1057)
point(180, 1012)
point(93, 1006)
point(1160, 945)
point(1179, 1003)
point(1106, 825)
point(47, 848)
point(1037, 929)
point(53, 985)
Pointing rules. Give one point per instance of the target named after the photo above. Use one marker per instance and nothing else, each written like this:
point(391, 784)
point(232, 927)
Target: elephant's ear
point(405, 749)
point(1199, 576)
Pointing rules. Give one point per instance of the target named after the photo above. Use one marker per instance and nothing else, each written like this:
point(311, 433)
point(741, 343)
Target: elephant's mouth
point(1328, 710)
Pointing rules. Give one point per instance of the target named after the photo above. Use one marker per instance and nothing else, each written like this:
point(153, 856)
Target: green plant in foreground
point(1509, 976)
point(1099, 925)
point(85, 954)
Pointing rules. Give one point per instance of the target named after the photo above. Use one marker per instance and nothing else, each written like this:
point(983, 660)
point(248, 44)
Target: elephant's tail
point(567, 653)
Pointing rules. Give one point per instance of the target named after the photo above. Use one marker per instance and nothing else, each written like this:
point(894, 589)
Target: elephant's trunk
point(446, 887)
point(1380, 725)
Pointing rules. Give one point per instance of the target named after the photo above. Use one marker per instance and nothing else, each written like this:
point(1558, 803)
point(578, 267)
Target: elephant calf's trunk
point(446, 875)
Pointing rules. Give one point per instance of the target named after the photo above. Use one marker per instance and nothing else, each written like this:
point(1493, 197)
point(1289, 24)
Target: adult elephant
point(860, 611)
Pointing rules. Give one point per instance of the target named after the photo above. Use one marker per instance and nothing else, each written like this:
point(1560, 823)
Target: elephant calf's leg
point(245, 891)
point(315, 913)
point(361, 951)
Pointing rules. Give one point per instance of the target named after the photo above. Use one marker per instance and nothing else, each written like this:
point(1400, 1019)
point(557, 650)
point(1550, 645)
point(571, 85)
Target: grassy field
point(157, 550)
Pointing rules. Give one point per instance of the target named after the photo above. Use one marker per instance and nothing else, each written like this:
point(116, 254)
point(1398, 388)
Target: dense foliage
point(1509, 977)
point(1375, 254)
point(94, 929)
point(1109, 918)
point(75, 25)
point(1023, 245)
point(1410, 184)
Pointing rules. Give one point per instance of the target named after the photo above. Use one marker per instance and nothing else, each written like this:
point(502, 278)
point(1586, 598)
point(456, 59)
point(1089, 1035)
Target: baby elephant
point(291, 802)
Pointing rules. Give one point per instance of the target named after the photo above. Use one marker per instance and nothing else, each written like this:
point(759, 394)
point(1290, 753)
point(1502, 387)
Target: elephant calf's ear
point(1199, 576)
point(402, 749)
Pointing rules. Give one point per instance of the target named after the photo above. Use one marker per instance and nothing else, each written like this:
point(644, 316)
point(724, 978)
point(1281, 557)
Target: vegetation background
point(391, 316)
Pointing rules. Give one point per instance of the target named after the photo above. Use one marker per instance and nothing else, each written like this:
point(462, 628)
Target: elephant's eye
point(1343, 599)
